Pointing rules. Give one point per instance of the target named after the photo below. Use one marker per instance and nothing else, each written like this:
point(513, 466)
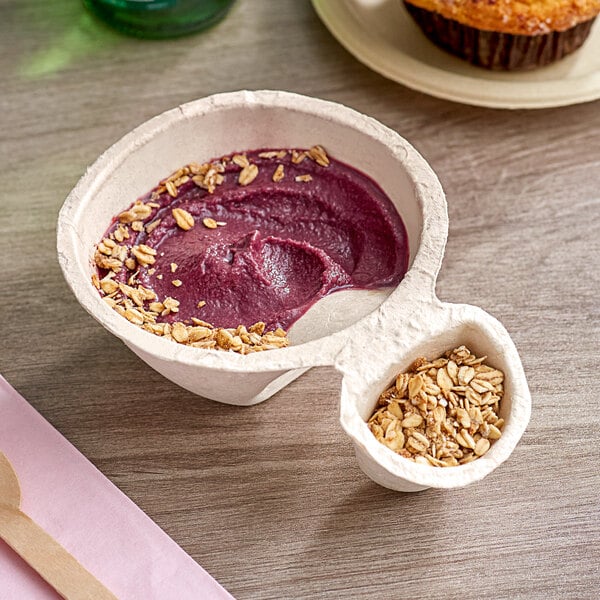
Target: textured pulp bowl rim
point(423, 271)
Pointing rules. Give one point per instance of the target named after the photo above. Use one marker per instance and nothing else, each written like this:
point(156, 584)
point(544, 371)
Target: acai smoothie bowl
point(230, 253)
point(236, 241)
point(316, 217)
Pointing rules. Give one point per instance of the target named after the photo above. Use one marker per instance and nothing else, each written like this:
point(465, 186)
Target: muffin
point(508, 35)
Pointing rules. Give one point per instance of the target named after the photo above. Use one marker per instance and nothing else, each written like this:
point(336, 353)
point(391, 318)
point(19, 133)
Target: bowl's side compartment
point(429, 334)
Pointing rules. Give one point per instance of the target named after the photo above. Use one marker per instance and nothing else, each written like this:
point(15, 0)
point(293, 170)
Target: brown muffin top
point(524, 17)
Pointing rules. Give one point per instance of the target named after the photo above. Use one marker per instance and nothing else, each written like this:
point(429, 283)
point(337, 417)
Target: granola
point(442, 413)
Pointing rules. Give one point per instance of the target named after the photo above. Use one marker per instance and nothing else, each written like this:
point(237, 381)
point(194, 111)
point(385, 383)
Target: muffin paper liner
point(499, 51)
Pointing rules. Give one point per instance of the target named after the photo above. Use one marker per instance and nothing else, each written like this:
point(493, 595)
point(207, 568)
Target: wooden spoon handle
point(44, 554)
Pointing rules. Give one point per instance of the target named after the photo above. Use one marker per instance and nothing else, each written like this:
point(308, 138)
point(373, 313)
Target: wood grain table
point(269, 499)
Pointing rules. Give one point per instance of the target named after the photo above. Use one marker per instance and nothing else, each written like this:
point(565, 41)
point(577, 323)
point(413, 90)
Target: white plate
point(382, 35)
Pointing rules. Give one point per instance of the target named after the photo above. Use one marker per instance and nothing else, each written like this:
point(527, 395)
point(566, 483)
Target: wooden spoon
point(41, 551)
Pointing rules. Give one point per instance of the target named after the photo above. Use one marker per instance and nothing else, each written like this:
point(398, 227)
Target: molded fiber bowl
point(218, 125)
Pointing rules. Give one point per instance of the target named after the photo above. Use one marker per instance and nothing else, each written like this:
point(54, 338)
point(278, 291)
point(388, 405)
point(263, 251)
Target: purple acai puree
point(283, 246)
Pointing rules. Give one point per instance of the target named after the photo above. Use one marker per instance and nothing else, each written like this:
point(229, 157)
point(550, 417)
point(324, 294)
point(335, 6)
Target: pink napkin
point(109, 535)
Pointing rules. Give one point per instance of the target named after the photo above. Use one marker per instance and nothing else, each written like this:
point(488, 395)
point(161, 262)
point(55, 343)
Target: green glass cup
point(159, 18)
